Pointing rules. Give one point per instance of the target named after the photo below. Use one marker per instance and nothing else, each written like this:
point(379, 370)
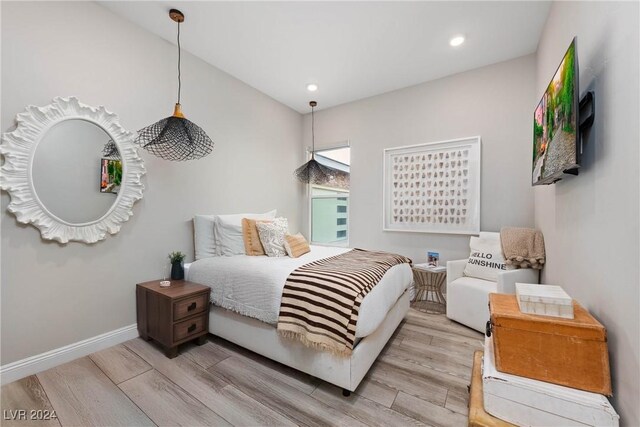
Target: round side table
point(428, 287)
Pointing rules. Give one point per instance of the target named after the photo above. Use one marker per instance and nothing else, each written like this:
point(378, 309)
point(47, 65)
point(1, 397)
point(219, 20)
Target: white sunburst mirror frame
point(19, 147)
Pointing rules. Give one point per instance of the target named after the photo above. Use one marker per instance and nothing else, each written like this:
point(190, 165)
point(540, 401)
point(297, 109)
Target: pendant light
point(313, 172)
point(175, 137)
point(110, 150)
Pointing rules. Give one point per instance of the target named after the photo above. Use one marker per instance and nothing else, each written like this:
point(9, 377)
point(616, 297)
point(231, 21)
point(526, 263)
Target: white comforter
point(252, 285)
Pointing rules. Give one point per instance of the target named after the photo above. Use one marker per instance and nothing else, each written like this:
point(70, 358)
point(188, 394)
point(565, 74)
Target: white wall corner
point(41, 362)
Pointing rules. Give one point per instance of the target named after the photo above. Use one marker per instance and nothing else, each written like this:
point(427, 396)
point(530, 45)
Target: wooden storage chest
point(569, 352)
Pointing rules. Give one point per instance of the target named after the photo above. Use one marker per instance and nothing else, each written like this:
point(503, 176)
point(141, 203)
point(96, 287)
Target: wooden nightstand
point(173, 315)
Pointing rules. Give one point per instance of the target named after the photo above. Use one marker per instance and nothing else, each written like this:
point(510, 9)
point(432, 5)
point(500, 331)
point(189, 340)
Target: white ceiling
point(352, 50)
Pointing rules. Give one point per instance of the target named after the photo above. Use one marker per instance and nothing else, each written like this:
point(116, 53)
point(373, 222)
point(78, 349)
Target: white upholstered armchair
point(468, 297)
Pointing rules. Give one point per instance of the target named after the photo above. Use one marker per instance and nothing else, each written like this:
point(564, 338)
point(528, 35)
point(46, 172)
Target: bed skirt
point(344, 372)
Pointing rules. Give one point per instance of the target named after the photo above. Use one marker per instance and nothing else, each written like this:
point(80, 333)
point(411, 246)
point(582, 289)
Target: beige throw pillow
point(296, 245)
point(272, 236)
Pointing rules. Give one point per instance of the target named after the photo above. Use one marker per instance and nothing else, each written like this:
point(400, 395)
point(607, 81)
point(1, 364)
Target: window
point(329, 203)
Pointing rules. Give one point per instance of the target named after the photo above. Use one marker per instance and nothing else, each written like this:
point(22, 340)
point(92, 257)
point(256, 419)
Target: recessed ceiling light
point(312, 87)
point(456, 41)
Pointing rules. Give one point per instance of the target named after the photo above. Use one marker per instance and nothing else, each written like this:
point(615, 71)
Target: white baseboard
point(41, 362)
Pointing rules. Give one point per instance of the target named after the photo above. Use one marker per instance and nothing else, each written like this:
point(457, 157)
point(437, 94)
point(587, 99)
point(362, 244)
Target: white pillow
point(228, 232)
point(485, 260)
point(204, 239)
point(272, 236)
point(489, 235)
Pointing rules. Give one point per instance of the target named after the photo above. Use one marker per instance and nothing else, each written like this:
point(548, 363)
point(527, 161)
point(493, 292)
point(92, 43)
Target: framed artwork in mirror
point(110, 175)
point(433, 188)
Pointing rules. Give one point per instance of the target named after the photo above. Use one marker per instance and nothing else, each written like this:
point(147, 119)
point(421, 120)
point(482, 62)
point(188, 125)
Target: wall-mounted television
point(555, 124)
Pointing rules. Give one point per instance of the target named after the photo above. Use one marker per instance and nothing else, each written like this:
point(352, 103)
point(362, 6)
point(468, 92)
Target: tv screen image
point(555, 124)
point(110, 175)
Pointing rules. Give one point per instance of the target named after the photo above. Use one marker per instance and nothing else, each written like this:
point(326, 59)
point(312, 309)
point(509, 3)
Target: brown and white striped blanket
point(321, 300)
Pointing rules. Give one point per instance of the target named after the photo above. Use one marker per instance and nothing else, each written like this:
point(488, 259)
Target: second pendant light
point(313, 172)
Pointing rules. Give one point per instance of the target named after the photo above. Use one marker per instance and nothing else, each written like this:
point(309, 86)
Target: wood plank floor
point(420, 378)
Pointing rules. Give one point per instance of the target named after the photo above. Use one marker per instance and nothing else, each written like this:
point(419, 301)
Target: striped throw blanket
point(321, 300)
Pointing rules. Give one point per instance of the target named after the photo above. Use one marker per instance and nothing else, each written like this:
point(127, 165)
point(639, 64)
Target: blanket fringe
point(239, 308)
point(346, 352)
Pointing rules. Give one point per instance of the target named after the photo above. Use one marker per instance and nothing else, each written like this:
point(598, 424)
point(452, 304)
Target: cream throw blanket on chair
point(523, 247)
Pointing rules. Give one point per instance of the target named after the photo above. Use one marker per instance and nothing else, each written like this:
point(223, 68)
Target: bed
point(246, 293)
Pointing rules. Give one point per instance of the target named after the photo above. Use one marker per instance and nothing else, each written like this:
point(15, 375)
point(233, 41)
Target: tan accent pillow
point(252, 244)
point(296, 245)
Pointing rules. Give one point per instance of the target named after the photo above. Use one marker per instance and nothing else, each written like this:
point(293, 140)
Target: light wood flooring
point(420, 378)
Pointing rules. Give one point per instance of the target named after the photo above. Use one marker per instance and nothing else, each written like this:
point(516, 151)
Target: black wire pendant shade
point(314, 172)
point(110, 150)
point(175, 138)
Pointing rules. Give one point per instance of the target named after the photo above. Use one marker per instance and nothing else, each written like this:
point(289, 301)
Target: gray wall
point(590, 222)
point(54, 295)
point(494, 102)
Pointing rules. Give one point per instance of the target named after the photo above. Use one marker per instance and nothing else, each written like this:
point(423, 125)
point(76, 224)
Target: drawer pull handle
point(192, 306)
point(191, 328)
point(488, 328)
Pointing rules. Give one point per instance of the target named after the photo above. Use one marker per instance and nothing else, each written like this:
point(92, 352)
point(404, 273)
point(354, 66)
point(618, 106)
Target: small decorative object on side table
point(173, 315)
point(177, 269)
point(428, 283)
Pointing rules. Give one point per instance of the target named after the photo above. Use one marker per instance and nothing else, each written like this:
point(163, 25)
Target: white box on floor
point(545, 300)
point(528, 402)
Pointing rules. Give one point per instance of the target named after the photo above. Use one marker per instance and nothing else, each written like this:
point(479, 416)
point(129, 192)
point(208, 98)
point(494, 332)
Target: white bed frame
point(345, 372)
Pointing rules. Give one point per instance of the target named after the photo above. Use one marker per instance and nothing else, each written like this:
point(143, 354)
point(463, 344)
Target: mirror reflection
point(77, 171)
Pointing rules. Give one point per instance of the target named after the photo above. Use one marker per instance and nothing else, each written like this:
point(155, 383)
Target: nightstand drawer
point(190, 306)
point(184, 329)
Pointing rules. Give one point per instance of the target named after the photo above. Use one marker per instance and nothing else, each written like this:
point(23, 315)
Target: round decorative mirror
point(71, 170)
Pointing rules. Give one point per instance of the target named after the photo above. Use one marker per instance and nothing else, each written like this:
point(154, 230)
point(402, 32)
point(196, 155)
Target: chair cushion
point(485, 286)
point(468, 300)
